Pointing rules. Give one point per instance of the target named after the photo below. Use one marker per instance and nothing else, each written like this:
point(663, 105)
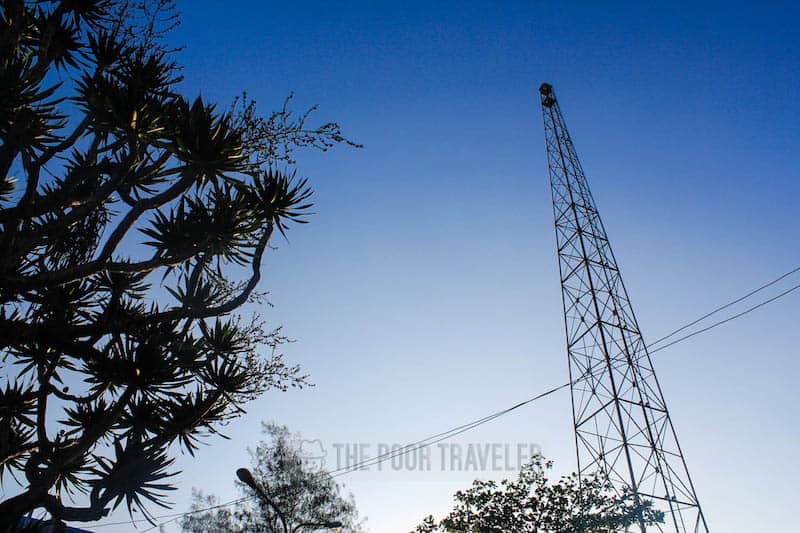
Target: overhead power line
point(434, 439)
point(439, 437)
point(423, 443)
point(725, 306)
point(734, 317)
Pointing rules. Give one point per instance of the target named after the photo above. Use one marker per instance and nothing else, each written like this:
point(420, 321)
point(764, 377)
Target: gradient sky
point(424, 293)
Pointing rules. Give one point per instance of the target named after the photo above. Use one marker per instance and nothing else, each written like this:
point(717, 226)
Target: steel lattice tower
point(622, 426)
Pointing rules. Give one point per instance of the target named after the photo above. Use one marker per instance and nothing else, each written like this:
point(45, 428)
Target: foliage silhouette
point(120, 350)
point(531, 504)
point(300, 492)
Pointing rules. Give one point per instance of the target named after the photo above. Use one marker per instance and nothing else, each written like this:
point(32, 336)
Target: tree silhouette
point(302, 496)
point(531, 504)
point(127, 215)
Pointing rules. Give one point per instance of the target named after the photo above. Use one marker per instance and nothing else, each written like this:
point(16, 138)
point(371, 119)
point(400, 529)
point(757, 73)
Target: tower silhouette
point(622, 425)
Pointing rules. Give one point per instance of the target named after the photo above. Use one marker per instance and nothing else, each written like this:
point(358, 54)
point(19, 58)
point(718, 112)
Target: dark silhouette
point(287, 491)
point(531, 504)
point(119, 351)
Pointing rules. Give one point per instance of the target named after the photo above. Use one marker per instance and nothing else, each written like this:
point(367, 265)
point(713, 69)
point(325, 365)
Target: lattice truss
point(622, 425)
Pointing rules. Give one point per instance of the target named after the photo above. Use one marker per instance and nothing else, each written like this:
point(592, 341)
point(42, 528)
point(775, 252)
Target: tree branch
point(87, 441)
point(77, 514)
point(76, 134)
point(233, 303)
point(85, 270)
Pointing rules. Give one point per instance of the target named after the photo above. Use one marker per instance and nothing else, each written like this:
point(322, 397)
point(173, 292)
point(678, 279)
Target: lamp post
point(246, 477)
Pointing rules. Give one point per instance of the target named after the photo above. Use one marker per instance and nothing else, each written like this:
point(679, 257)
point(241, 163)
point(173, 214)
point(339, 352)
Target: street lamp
point(246, 477)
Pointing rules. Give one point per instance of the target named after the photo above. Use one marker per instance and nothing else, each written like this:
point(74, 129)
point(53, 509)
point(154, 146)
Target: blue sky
point(425, 293)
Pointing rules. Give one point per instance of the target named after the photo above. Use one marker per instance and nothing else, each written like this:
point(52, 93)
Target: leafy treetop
point(302, 496)
point(531, 504)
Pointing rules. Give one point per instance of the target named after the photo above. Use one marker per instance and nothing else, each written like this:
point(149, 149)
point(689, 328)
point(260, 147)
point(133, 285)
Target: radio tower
point(622, 426)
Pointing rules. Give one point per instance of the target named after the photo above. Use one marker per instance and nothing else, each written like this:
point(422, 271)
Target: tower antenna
point(622, 426)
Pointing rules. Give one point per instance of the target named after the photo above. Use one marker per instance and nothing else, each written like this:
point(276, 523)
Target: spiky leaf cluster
point(133, 225)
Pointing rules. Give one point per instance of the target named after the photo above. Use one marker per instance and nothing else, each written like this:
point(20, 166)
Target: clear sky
point(425, 293)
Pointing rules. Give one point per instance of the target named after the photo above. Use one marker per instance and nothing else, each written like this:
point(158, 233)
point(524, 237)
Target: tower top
point(548, 97)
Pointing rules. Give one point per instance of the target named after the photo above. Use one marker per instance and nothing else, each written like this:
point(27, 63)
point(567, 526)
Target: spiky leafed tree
point(127, 213)
point(531, 504)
